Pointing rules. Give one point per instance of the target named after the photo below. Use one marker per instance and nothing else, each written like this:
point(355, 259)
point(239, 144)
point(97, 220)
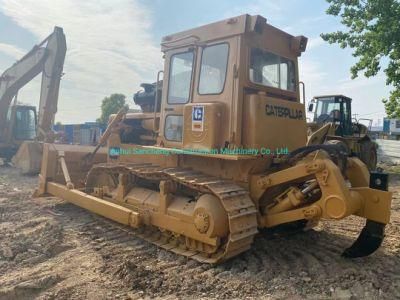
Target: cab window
point(173, 128)
point(180, 78)
point(25, 124)
point(272, 70)
point(214, 61)
point(326, 105)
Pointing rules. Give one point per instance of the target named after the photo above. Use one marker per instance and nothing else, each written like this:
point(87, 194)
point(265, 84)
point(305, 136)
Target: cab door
point(178, 84)
point(24, 127)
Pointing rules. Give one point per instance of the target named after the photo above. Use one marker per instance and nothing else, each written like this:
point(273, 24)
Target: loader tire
point(369, 154)
point(341, 159)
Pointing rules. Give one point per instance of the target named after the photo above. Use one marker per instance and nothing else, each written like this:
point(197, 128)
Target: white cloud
point(11, 50)
point(348, 84)
point(367, 94)
point(256, 7)
point(109, 48)
point(314, 42)
point(312, 20)
point(314, 76)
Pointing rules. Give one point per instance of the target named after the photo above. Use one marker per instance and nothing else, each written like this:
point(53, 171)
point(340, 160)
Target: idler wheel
point(209, 216)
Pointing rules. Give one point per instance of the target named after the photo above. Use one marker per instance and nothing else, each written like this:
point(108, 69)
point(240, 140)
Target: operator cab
point(229, 83)
point(22, 122)
point(335, 109)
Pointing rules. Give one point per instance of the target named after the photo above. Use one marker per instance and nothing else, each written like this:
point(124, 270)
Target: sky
point(114, 45)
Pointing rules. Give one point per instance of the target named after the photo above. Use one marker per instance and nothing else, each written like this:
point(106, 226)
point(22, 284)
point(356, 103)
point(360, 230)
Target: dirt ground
point(50, 249)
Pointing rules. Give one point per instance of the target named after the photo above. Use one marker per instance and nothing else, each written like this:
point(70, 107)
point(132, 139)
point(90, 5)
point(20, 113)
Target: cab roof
point(226, 28)
point(335, 96)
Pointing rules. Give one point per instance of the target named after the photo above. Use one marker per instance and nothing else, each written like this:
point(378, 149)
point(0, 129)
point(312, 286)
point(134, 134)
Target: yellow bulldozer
point(219, 151)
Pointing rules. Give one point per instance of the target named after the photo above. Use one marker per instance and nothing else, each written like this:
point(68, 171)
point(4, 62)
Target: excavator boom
point(49, 60)
point(51, 75)
point(46, 58)
point(17, 76)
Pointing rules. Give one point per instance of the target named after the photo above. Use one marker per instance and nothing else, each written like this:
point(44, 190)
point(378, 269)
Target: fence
point(388, 151)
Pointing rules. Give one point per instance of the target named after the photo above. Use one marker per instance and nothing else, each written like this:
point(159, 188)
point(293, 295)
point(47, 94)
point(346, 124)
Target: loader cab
point(229, 83)
point(335, 109)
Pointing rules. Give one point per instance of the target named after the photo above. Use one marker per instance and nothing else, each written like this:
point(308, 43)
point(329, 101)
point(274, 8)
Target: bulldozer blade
point(369, 240)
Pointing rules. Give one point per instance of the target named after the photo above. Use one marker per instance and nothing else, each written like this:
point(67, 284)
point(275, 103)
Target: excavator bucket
point(28, 158)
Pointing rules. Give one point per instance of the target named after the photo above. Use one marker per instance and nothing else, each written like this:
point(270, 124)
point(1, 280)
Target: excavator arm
point(47, 59)
point(51, 76)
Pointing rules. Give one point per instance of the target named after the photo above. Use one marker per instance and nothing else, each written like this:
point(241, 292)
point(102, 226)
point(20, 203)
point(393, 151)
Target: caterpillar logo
point(283, 112)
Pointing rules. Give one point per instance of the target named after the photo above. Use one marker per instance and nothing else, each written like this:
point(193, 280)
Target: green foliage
point(392, 105)
point(373, 31)
point(111, 105)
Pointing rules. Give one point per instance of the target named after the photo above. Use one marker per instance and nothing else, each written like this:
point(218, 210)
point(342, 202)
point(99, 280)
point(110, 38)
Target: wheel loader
point(333, 123)
point(201, 170)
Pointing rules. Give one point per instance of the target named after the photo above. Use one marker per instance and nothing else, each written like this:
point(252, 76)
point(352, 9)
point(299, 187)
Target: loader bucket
point(28, 158)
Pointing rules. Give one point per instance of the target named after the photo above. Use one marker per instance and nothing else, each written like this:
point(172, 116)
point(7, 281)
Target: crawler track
point(241, 211)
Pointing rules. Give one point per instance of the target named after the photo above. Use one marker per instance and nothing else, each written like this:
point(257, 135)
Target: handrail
point(156, 102)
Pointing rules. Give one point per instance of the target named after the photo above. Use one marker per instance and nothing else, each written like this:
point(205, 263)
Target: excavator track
point(240, 209)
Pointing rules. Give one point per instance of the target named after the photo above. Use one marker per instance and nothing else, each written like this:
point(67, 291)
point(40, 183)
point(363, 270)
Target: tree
point(111, 105)
point(373, 32)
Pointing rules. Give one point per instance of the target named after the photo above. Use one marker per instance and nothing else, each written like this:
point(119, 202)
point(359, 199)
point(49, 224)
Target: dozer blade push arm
point(114, 122)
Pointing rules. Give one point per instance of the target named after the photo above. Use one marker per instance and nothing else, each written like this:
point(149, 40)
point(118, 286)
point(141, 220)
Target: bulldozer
point(219, 152)
point(333, 123)
point(22, 129)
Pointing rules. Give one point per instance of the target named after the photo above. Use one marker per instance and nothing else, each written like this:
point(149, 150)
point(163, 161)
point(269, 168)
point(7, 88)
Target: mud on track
point(51, 249)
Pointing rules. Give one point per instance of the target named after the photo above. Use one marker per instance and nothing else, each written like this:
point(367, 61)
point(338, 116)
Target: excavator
point(219, 153)
point(22, 129)
point(333, 123)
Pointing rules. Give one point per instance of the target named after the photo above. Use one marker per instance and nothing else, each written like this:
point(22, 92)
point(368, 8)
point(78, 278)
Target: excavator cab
point(335, 109)
point(23, 122)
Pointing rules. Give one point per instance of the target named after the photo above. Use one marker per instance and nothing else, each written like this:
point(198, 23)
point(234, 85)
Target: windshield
point(180, 78)
point(214, 62)
point(326, 105)
point(269, 69)
point(25, 124)
point(328, 110)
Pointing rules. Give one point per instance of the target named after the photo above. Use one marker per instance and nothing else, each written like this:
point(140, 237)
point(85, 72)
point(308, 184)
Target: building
point(88, 133)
